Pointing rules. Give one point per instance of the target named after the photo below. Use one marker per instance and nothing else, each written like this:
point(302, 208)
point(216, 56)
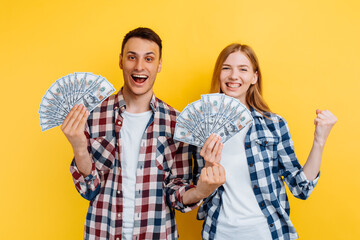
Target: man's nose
point(139, 65)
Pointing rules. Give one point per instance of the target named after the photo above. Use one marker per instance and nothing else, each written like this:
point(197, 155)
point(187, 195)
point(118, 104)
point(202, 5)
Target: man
point(127, 163)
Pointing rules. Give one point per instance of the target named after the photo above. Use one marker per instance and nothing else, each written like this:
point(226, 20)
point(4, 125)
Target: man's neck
point(137, 103)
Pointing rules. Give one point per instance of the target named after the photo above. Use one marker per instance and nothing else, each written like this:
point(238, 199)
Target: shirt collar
point(120, 102)
point(255, 113)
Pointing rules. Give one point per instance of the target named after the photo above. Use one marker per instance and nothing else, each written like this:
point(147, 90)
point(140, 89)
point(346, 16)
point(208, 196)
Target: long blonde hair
point(253, 95)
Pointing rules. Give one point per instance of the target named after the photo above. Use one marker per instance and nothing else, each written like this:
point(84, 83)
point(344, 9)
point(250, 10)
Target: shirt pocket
point(103, 151)
point(267, 148)
point(165, 152)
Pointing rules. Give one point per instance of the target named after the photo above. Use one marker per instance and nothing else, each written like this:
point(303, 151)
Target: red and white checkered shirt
point(163, 174)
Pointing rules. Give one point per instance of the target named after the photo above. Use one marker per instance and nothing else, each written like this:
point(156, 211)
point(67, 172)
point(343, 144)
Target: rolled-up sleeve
point(88, 186)
point(180, 178)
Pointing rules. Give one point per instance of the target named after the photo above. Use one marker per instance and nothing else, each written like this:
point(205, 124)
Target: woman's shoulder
point(273, 116)
point(273, 121)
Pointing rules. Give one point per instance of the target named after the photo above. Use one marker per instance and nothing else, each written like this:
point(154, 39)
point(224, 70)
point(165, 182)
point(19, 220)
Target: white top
point(132, 130)
point(240, 216)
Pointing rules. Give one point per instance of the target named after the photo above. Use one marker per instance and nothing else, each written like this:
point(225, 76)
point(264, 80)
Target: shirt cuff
point(182, 207)
point(305, 183)
point(89, 182)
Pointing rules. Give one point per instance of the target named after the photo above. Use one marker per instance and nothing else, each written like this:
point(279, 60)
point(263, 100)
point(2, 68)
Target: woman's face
point(237, 75)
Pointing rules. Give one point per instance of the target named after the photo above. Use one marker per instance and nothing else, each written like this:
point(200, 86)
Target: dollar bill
point(83, 88)
point(213, 113)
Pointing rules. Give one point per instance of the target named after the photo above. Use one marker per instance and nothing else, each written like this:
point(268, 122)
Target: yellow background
point(308, 50)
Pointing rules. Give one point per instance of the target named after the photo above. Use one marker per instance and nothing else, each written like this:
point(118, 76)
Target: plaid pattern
point(163, 174)
point(272, 161)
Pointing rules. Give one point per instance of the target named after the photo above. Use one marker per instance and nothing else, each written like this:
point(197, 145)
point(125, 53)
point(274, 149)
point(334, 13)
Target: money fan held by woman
point(252, 204)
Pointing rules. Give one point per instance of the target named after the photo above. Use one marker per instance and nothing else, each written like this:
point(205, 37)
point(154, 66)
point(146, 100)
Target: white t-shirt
point(240, 216)
point(132, 130)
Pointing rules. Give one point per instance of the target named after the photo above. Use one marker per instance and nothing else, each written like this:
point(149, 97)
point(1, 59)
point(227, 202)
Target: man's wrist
point(81, 152)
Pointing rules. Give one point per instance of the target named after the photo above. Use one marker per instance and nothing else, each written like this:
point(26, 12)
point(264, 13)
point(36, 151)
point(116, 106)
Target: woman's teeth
point(233, 85)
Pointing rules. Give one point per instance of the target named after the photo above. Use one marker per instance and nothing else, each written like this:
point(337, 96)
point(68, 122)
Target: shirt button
point(118, 191)
point(255, 186)
point(271, 225)
point(117, 238)
point(266, 142)
point(119, 215)
point(119, 122)
point(248, 145)
point(251, 164)
point(115, 108)
point(262, 204)
point(99, 140)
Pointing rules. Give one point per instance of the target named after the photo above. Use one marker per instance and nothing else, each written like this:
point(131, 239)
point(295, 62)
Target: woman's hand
point(324, 122)
point(211, 151)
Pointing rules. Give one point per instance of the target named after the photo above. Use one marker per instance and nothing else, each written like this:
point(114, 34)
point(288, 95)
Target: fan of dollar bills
point(78, 88)
point(213, 113)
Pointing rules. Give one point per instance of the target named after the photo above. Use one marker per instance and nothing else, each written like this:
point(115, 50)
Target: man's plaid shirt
point(272, 161)
point(163, 174)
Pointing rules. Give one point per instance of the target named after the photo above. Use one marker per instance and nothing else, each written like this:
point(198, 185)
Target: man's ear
point(160, 65)
point(120, 62)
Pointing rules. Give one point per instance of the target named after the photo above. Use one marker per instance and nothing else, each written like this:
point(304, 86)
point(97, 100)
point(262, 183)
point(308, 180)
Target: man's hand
point(324, 122)
point(210, 179)
point(73, 127)
point(211, 151)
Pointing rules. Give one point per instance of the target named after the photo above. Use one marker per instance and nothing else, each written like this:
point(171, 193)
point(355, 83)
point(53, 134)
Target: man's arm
point(83, 170)
point(73, 128)
point(212, 175)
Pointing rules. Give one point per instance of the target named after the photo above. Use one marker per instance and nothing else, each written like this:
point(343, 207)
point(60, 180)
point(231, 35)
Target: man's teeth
point(139, 76)
point(233, 85)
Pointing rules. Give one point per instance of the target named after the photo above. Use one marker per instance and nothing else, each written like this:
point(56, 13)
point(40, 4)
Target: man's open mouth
point(138, 78)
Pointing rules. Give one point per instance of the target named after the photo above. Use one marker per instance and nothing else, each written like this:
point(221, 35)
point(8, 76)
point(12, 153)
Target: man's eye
point(131, 57)
point(148, 59)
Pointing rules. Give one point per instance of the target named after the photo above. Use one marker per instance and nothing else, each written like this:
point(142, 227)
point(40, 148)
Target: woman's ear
point(256, 76)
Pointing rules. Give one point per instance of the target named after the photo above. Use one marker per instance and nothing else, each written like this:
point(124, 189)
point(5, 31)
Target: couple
point(134, 175)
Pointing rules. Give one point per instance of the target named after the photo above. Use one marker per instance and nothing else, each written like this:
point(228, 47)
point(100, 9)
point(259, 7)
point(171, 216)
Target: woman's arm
point(324, 122)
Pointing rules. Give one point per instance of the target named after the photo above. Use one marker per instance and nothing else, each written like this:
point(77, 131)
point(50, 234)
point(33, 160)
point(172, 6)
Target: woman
point(252, 204)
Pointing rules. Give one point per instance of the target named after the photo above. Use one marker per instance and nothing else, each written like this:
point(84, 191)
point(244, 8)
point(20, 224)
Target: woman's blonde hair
point(253, 95)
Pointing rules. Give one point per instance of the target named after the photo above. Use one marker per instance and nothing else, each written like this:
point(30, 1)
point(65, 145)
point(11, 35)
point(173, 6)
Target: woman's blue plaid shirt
point(271, 161)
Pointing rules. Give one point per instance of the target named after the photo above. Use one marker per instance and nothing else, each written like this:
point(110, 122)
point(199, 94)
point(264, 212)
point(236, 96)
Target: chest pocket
point(267, 148)
point(165, 153)
point(103, 151)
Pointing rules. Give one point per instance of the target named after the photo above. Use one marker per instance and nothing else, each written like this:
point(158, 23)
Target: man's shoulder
point(165, 108)
point(105, 105)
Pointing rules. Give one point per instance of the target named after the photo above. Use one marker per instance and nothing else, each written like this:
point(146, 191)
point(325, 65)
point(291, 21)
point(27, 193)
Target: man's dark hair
point(144, 33)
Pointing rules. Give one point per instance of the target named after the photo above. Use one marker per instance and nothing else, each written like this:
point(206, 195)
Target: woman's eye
point(243, 69)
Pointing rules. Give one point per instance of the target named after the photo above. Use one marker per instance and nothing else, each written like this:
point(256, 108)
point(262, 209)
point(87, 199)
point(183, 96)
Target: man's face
point(140, 63)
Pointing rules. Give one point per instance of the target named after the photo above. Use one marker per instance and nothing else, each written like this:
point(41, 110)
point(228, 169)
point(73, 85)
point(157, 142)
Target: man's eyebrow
point(135, 53)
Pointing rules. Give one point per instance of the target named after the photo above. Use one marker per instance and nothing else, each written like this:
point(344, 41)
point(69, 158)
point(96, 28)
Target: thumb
point(318, 111)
